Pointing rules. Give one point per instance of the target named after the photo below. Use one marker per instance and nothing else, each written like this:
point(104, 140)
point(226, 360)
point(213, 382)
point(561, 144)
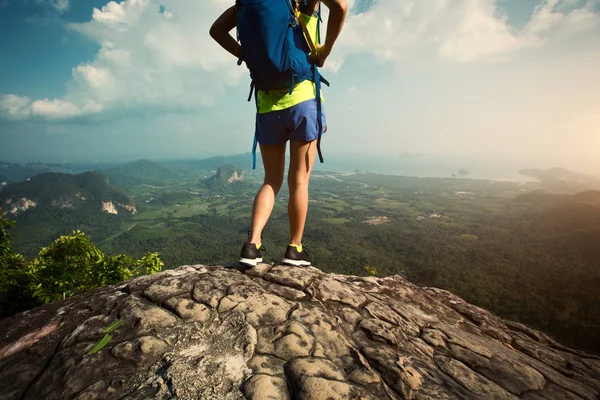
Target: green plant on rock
point(150, 263)
point(72, 265)
point(371, 271)
point(14, 281)
point(100, 344)
point(5, 226)
point(68, 266)
point(14, 285)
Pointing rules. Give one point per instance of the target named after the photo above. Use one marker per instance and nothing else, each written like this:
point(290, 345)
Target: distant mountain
point(128, 175)
point(241, 160)
point(10, 172)
point(225, 175)
point(65, 191)
point(141, 172)
point(54, 204)
point(562, 180)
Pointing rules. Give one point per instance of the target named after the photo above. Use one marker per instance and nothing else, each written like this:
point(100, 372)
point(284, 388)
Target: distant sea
point(428, 166)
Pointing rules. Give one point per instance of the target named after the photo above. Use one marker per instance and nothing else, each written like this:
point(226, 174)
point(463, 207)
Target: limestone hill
point(225, 175)
point(281, 333)
point(88, 191)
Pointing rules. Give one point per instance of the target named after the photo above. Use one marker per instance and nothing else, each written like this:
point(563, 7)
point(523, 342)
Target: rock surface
point(279, 332)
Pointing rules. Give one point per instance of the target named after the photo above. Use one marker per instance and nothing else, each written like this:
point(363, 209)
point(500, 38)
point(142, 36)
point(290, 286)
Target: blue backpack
point(276, 51)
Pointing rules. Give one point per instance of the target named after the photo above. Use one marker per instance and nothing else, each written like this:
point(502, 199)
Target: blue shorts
point(295, 123)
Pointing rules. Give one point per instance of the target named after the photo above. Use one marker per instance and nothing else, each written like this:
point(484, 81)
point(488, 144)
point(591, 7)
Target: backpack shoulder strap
point(310, 43)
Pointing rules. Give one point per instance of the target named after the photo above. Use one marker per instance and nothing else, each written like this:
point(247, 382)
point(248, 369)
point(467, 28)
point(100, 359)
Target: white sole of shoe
point(250, 261)
point(296, 263)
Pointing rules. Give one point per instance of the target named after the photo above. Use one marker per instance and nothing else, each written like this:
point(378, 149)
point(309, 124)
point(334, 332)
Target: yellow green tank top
point(275, 100)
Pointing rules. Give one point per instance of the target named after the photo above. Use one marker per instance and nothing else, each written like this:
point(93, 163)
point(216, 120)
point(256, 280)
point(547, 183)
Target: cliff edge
point(280, 332)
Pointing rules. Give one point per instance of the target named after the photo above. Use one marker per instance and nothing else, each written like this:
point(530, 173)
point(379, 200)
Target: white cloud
point(563, 16)
point(56, 108)
point(456, 31)
point(149, 56)
point(15, 107)
point(159, 57)
point(60, 6)
point(124, 13)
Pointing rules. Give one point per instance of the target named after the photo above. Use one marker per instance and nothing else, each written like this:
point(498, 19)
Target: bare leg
point(273, 157)
point(302, 158)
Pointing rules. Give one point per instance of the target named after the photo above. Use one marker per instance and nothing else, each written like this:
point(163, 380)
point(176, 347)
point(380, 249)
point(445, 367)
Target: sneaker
point(251, 255)
point(296, 258)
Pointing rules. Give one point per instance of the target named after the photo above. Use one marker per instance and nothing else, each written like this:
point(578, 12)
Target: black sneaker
point(251, 255)
point(296, 258)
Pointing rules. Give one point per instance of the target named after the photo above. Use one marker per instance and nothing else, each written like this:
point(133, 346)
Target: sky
point(117, 80)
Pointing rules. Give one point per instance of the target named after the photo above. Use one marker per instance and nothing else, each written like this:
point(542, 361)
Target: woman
point(281, 117)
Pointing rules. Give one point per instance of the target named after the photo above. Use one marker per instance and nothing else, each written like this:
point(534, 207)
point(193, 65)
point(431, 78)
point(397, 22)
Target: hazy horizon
point(417, 164)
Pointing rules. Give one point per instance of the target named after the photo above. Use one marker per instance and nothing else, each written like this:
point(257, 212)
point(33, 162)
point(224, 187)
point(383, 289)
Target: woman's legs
point(273, 157)
point(302, 158)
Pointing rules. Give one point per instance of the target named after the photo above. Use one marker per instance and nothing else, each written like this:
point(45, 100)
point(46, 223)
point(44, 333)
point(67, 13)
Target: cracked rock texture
point(279, 332)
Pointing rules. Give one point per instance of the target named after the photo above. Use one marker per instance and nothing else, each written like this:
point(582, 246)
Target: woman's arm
point(337, 14)
point(220, 32)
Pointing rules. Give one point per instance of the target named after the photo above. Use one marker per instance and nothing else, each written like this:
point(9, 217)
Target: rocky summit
point(277, 332)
